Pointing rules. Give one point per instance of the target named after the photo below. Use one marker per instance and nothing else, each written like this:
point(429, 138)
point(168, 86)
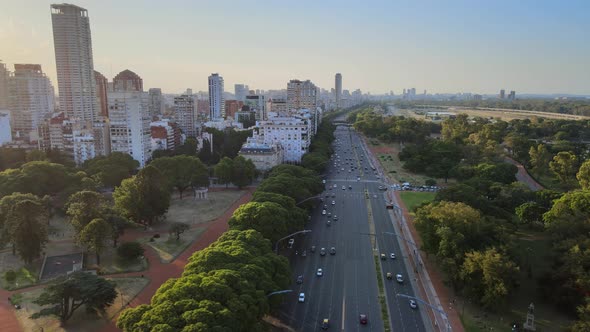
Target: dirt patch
point(193, 212)
point(168, 248)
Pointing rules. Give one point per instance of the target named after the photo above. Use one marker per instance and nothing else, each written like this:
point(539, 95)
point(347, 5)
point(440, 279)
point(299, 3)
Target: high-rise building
point(127, 81)
point(130, 124)
point(5, 131)
point(73, 58)
point(257, 104)
point(232, 107)
point(512, 95)
point(216, 100)
point(301, 94)
point(4, 75)
point(102, 84)
point(156, 106)
point(184, 114)
point(240, 91)
point(502, 94)
point(338, 89)
point(31, 100)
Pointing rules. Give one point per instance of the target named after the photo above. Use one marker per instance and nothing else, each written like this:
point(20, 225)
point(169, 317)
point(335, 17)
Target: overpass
point(341, 123)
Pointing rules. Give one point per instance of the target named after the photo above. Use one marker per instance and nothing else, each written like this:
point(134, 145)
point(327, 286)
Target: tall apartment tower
point(102, 84)
point(155, 101)
point(301, 94)
point(73, 58)
point(338, 90)
point(31, 100)
point(4, 75)
point(241, 91)
point(216, 100)
point(502, 94)
point(185, 114)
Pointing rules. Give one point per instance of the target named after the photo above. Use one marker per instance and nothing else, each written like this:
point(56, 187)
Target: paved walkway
point(524, 176)
point(157, 272)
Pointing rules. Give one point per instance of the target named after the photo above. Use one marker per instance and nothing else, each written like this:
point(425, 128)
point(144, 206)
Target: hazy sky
point(440, 45)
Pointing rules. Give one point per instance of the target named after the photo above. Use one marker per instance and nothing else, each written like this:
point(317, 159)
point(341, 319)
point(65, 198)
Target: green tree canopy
point(564, 166)
point(270, 219)
point(95, 235)
point(182, 172)
point(243, 171)
point(224, 170)
point(583, 175)
point(112, 169)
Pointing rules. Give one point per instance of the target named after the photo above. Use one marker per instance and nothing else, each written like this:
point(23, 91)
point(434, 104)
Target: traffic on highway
point(334, 266)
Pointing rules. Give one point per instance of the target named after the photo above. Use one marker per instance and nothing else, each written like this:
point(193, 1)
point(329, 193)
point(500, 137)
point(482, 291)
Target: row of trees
point(225, 286)
point(569, 106)
point(389, 129)
point(239, 171)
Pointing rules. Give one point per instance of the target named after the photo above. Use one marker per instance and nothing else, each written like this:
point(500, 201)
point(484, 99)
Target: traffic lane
point(410, 317)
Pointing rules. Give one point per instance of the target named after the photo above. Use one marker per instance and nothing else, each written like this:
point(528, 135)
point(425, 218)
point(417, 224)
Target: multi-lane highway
point(348, 286)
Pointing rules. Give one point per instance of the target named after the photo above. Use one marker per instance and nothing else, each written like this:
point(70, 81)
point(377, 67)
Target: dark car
point(363, 319)
point(323, 251)
point(299, 279)
point(312, 248)
point(332, 251)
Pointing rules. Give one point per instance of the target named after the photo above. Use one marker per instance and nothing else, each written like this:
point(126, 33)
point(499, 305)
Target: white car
point(301, 297)
point(399, 278)
point(333, 202)
point(319, 273)
point(324, 181)
point(291, 241)
point(335, 186)
point(343, 187)
point(392, 255)
point(413, 304)
point(324, 212)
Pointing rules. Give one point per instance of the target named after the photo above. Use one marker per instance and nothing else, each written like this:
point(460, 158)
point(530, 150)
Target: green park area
point(413, 199)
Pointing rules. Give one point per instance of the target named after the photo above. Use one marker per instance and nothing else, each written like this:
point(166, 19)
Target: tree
point(79, 288)
point(243, 171)
point(224, 170)
point(568, 217)
point(182, 171)
point(540, 157)
point(130, 250)
point(489, 276)
point(530, 213)
point(564, 166)
point(583, 323)
point(95, 235)
point(583, 175)
point(112, 169)
point(178, 228)
point(270, 219)
point(144, 197)
point(83, 207)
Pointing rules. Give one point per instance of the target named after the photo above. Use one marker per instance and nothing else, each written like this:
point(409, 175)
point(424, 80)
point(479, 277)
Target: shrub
point(10, 275)
point(156, 236)
point(130, 250)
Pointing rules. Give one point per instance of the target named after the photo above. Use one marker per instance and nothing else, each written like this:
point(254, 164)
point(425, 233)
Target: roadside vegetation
point(499, 244)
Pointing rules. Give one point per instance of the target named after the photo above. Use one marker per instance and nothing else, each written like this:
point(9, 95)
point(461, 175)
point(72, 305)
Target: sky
point(441, 46)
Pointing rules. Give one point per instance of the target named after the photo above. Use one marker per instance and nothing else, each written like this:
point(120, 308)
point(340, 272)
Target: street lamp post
point(288, 236)
point(279, 292)
point(434, 308)
point(416, 255)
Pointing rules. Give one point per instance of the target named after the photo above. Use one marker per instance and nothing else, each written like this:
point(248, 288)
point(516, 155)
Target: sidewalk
point(157, 272)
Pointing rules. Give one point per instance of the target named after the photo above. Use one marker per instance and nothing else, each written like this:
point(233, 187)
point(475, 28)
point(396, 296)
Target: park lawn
point(168, 248)
point(192, 212)
point(127, 289)
point(412, 199)
point(533, 249)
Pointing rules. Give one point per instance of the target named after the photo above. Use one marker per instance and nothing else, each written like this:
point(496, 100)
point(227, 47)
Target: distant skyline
point(532, 47)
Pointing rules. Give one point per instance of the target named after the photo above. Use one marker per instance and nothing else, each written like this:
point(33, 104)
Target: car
point(320, 272)
point(325, 206)
point(358, 178)
point(388, 275)
point(333, 194)
point(392, 255)
point(335, 217)
point(399, 278)
point(413, 304)
point(380, 187)
point(329, 222)
point(333, 202)
point(335, 186)
point(342, 169)
point(324, 212)
point(304, 253)
point(299, 279)
point(301, 297)
point(312, 249)
point(383, 257)
point(343, 187)
point(329, 214)
point(363, 319)
point(332, 251)
point(350, 187)
point(325, 324)
point(324, 181)
point(323, 252)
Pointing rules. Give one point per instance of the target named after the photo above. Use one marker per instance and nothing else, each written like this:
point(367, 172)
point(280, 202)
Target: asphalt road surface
point(348, 287)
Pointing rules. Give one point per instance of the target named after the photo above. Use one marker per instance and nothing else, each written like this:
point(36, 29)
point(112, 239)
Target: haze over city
point(458, 46)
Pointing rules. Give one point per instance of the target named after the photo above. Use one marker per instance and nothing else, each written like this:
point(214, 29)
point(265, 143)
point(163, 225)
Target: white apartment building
point(264, 156)
point(31, 100)
point(216, 99)
point(73, 58)
point(301, 94)
point(185, 114)
point(5, 132)
point(292, 133)
point(130, 124)
point(84, 145)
